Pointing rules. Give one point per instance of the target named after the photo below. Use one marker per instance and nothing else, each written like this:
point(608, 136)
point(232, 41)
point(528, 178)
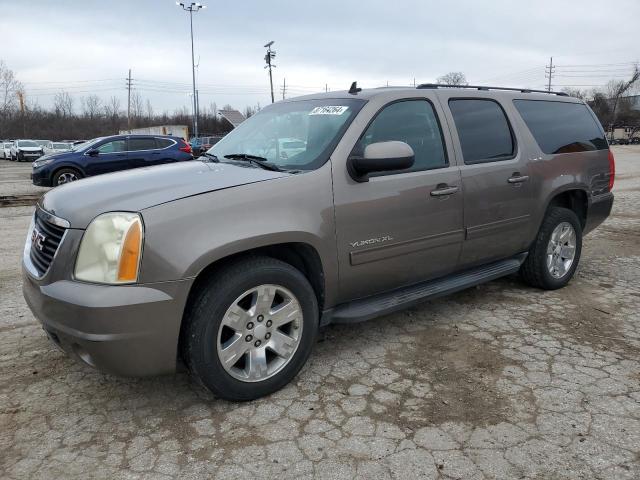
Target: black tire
point(205, 313)
point(534, 270)
point(55, 178)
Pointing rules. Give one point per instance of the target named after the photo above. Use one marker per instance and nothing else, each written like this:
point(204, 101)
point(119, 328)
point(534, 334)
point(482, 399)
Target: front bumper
point(128, 330)
point(41, 177)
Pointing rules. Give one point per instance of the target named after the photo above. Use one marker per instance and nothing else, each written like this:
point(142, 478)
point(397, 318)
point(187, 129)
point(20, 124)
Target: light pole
point(193, 7)
point(270, 55)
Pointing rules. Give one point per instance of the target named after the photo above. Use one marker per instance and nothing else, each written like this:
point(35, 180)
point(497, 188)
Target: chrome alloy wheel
point(561, 250)
point(67, 177)
point(259, 333)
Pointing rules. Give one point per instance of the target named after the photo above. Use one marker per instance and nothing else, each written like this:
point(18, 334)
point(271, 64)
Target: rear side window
point(415, 123)
point(483, 129)
point(142, 144)
point(163, 142)
point(561, 127)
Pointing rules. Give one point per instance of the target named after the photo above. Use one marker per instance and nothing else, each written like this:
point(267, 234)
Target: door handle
point(443, 190)
point(517, 179)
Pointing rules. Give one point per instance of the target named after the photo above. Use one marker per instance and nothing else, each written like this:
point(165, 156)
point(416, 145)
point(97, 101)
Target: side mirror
point(93, 152)
point(380, 157)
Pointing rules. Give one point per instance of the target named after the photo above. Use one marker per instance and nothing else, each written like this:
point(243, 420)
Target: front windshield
point(27, 143)
point(297, 135)
point(61, 146)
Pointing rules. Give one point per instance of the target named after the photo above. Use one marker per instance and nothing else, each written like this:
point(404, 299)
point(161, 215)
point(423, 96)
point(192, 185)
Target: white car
point(25, 151)
point(5, 150)
point(56, 147)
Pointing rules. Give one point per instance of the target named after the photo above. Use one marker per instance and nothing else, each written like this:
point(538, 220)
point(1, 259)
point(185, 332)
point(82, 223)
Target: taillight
point(185, 147)
point(612, 170)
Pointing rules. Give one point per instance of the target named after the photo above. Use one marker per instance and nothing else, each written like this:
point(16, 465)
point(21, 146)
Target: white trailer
point(175, 130)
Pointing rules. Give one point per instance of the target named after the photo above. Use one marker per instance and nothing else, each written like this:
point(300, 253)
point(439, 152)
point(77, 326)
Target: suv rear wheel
point(250, 328)
point(555, 254)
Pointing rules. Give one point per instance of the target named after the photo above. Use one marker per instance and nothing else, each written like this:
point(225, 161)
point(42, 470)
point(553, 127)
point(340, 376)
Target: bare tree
point(615, 90)
point(9, 87)
point(91, 106)
point(575, 92)
point(112, 107)
point(453, 78)
point(63, 104)
point(149, 111)
point(137, 105)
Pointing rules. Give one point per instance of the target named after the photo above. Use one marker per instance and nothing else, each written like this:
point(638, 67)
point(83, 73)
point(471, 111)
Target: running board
point(382, 304)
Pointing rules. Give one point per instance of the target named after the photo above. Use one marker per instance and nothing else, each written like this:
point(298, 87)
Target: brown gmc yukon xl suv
point(391, 196)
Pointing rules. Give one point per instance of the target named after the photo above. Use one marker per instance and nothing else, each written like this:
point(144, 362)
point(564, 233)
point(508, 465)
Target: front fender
point(185, 236)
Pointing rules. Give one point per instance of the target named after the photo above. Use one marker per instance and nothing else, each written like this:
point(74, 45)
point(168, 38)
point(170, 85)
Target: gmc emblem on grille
point(38, 239)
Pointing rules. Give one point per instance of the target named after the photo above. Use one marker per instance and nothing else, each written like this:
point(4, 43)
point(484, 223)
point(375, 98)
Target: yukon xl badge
point(371, 241)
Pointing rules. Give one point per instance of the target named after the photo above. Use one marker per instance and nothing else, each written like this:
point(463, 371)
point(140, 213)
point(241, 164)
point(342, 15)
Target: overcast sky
point(87, 46)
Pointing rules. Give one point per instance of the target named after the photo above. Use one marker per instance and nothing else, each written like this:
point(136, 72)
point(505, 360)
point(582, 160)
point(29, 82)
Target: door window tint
point(561, 127)
point(483, 130)
point(163, 142)
point(142, 144)
point(111, 147)
point(415, 123)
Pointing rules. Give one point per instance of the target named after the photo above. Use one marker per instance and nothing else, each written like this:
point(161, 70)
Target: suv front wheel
point(250, 328)
point(554, 255)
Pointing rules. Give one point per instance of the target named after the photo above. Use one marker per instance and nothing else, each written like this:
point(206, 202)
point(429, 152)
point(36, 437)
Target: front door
point(400, 227)
point(495, 180)
point(111, 157)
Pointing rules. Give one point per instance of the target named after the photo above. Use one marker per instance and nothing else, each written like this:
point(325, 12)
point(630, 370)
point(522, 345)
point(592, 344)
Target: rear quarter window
point(561, 127)
point(163, 142)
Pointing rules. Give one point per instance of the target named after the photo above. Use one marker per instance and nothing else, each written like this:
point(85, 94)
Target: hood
point(59, 154)
point(134, 190)
point(30, 149)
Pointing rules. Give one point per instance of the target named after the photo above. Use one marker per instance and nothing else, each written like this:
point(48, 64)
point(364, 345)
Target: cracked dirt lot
point(500, 381)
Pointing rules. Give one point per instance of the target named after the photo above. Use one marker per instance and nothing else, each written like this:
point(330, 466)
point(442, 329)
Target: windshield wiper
point(254, 160)
point(211, 157)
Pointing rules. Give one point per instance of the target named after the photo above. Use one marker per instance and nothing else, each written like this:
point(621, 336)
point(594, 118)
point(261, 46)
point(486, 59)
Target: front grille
point(52, 234)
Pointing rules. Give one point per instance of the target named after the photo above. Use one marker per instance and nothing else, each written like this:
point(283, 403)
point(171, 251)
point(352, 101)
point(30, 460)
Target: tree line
point(91, 116)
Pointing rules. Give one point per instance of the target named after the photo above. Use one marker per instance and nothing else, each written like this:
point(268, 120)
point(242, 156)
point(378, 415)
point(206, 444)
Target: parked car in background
point(42, 143)
point(108, 154)
point(26, 150)
point(5, 151)
point(57, 147)
point(233, 262)
point(202, 144)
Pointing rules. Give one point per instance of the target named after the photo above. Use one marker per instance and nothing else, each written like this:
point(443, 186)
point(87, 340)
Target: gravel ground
point(499, 381)
point(15, 180)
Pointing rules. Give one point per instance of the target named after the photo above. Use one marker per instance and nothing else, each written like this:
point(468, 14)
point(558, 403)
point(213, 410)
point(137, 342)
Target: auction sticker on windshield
point(329, 110)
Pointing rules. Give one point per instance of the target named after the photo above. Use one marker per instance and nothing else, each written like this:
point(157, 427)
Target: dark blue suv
point(108, 154)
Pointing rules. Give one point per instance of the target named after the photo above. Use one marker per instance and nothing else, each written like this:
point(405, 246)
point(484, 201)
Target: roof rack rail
point(483, 87)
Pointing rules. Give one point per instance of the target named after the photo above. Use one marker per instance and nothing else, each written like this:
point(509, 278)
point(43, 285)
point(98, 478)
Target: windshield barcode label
point(329, 110)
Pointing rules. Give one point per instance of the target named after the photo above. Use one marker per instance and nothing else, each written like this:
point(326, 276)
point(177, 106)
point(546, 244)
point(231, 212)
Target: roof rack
point(485, 88)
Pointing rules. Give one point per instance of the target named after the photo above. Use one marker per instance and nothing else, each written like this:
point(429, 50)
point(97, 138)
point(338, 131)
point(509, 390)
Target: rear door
point(495, 179)
point(142, 151)
point(395, 229)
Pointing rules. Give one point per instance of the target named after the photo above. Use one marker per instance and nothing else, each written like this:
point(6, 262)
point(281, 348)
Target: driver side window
point(415, 123)
point(112, 147)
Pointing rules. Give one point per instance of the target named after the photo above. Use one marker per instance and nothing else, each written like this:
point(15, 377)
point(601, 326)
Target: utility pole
point(326, 87)
point(284, 87)
point(197, 103)
point(21, 100)
point(548, 72)
point(193, 7)
point(270, 55)
point(129, 102)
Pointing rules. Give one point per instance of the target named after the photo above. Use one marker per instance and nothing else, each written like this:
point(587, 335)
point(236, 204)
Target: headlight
point(41, 163)
point(111, 248)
